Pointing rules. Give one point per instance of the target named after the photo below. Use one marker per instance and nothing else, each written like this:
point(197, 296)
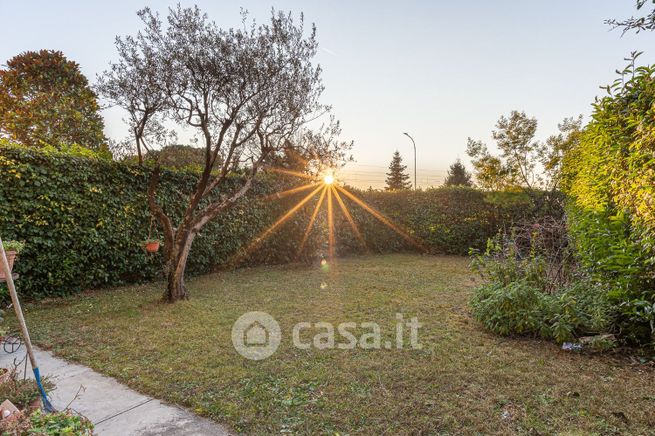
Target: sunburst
point(327, 188)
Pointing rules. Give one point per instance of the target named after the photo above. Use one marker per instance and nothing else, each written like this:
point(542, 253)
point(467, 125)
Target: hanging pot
point(11, 255)
point(152, 246)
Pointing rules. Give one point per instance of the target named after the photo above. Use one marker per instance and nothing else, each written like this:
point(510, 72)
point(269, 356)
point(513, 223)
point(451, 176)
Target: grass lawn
point(464, 380)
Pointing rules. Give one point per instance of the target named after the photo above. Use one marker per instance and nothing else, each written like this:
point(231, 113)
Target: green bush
point(516, 308)
point(610, 178)
point(16, 246)
point(521, 308)
point(448, 220)
point(532, 287)
point(64, 423)
point(60, 423)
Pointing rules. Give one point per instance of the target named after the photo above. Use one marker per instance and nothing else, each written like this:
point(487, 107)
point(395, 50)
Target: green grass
point(464, 380)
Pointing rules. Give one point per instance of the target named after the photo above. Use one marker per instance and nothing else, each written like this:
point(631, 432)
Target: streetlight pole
point(407, 134)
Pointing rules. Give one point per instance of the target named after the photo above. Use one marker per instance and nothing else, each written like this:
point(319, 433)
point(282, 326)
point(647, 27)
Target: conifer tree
point(458, 176)
point(397, 177)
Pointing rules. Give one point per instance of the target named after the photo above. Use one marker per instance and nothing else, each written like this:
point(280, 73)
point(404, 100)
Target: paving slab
point(115, 409)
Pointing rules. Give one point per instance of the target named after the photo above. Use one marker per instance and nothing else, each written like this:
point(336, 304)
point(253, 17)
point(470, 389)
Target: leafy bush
point(61, 423)
point(532, 287)
point(16, 246)
point(610, 177)
point(520, 308)
point(22, 392)
point(56, 424)
point(515, 308)
point(84, 221)
point(448, 220)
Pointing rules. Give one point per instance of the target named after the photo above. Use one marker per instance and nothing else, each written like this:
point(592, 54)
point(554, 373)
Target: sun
point(328, 192)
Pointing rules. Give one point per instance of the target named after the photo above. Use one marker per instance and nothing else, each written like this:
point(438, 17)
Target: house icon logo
point(256, 335)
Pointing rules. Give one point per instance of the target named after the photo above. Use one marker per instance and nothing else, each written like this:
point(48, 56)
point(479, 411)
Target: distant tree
point(519, 154)
point(45, 99)
point(247, 93)
point(177, 156)
point(397, 177)
point(557, 147)
point(523, 162)
point(645, 22)
point(458, 175)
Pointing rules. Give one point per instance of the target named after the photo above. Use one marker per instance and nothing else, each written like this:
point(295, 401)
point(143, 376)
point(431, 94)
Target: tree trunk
point(176, 289)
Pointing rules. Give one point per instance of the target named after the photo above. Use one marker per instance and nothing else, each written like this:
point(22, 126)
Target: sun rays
point(328, 191)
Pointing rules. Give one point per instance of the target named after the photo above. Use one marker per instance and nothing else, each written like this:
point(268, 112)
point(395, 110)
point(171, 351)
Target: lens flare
point(329, 192)
point(311, 222)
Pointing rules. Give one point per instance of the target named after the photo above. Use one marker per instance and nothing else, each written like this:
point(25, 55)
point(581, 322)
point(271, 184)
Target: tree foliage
point(397, 177)
point(523, 162)
point(458, 175)
point(515, 166)
point(46, 100)
point(557, 147)
point(644, 22)
point(246, 93)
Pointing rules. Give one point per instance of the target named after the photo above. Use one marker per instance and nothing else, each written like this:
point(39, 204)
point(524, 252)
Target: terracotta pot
point(152, 247)
point(11, 255)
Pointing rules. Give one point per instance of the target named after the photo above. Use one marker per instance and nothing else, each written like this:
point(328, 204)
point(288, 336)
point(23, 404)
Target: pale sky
point(440, 70)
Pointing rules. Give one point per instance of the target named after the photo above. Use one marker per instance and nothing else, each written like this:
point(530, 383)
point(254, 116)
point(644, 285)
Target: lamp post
point(414, 143)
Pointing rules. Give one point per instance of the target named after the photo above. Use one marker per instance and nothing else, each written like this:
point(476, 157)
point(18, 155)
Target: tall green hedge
point(610, 178)
point(447, 220)
point(83, 221)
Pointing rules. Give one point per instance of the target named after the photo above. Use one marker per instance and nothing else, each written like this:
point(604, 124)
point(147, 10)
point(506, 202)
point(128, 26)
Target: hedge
point(610, 178)
point(83, 220)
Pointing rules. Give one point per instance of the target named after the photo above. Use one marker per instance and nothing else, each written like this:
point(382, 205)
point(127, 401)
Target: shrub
point(22, 392)
point(84, 221)
point(60, 423)
point(520, 308)
point(448, 220)
point(515, 308)
point(533, 288)
point(56, 424)
point(16, 246)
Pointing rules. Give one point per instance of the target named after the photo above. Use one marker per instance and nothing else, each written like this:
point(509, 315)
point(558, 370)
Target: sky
point(442, 71)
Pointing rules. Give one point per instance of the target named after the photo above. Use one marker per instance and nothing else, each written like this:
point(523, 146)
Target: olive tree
point(246, 94)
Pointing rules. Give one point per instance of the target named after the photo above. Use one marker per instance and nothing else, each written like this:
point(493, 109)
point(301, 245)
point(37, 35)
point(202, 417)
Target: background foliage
point(84, 220)
point(46, 100)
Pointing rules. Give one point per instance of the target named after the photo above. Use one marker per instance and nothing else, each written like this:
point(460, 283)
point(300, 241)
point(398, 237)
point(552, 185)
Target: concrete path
point(113, 408)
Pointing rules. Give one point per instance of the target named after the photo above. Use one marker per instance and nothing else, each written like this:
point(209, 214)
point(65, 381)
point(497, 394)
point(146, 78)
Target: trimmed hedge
point(447, 220)
point(83, 221)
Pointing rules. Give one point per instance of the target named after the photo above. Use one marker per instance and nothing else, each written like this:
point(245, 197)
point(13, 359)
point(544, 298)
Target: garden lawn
point(464, 380)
